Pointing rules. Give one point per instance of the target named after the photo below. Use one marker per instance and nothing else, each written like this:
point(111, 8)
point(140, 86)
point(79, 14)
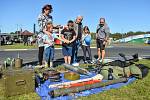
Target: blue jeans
point(49, 54)
point(75, 48)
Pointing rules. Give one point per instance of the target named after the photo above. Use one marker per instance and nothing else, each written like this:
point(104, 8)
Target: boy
point(68, 34)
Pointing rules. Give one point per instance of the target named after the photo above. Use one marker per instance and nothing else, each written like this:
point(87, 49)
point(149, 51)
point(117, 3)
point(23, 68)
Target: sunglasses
point(49, 9)
point(80, 19)
point(102, 22)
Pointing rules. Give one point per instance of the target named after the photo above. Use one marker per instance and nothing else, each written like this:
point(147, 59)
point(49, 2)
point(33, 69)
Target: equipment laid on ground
point(13, 63)
point(71, 76)
point(17, 82)
point(52, 75)
point(99, 65)
point(126, 60)
point(9, 62)
point(18, 62)
point(66, 91)
point(43, 74)
point(77, 69)
point(126, 68)
point(114, 72)
point(68, 84)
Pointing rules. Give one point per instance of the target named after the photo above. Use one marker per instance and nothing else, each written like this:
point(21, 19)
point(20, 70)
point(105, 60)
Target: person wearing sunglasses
point(43, 19)
point(102, 36)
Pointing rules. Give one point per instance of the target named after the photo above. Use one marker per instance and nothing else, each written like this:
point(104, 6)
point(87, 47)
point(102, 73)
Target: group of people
point(72, 36)
point(28, 40)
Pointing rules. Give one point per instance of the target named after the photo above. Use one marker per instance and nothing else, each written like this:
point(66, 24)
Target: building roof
point(26, 33)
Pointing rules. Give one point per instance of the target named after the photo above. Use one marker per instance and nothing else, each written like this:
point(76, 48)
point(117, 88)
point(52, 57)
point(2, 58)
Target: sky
point(121, 15)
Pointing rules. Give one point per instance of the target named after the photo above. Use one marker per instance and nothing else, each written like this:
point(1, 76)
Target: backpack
point(116, 72)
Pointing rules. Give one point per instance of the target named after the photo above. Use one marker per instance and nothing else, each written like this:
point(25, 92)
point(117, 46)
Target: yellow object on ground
point(71, 76)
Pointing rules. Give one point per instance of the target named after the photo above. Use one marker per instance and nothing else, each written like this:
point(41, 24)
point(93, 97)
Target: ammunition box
point(16, 82)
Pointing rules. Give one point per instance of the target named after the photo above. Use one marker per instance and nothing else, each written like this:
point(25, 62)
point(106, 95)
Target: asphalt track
point(111, 53)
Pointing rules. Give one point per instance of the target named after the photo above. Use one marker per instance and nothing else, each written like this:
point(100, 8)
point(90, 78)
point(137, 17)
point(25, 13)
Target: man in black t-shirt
point(69, 35)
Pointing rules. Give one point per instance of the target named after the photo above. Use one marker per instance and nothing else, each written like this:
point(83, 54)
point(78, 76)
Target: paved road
point(111, 52)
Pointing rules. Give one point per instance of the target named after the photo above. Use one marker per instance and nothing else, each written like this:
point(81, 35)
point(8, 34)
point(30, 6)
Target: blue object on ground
point(43, 90)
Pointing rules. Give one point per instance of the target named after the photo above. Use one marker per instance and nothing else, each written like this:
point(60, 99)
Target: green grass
point(140, 90)
point(21, 46)
point(93, 44)
point(18, 46)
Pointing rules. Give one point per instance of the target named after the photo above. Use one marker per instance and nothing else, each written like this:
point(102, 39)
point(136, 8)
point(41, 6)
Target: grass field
point(18, 46)
point(35, 46)
point(93, 44)
point(21, 46)
point(139, 90)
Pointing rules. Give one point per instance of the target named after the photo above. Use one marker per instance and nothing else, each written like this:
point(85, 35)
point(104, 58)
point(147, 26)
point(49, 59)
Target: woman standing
point(86, 40)
point(43, 19)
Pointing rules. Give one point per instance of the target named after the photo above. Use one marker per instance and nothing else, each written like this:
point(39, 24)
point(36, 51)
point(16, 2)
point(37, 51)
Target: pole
point(17, 31)
point(122, 35)
point(34, 28)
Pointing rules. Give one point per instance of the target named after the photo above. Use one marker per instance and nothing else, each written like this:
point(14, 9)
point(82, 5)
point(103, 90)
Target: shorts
point(100, 44)
point(67, 51)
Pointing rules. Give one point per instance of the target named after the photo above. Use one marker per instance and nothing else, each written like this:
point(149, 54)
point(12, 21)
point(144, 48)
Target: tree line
point(118, 35)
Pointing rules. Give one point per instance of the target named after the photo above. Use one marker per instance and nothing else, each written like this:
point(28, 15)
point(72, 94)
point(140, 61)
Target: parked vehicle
point(6, 40)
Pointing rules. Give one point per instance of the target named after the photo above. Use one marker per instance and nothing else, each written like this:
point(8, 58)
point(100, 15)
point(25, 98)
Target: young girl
point(86, 40)
point(48, 40)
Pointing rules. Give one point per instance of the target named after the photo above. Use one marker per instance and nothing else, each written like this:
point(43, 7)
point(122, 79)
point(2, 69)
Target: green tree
point(12, 32)
point(116, 35)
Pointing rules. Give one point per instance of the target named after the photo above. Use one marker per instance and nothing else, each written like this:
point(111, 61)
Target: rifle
point(77, 69)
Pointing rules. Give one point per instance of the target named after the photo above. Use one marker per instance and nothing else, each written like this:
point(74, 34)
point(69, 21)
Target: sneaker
point(85, 62)
point(51, 64)
point(98, 60)
point(75, 64)
point(101, 60)
point(105, 61)
point(46, 65)
point(92, 62)
point(38, 66)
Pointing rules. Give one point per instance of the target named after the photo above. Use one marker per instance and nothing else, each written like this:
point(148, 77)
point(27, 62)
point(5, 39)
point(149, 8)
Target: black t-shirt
point(79, 31)
point(68, 34)
point(78, 28)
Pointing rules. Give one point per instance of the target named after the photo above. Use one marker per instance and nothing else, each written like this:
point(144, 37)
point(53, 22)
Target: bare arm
point(46, 42)
point(107, 31)
point(74, 37)
point(65, 40)
point(46, 32)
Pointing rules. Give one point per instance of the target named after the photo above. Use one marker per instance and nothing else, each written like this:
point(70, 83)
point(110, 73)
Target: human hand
point(65, 27)
point(66, 41)
point(70, 41)
point(50, 43)
point(104, 43)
